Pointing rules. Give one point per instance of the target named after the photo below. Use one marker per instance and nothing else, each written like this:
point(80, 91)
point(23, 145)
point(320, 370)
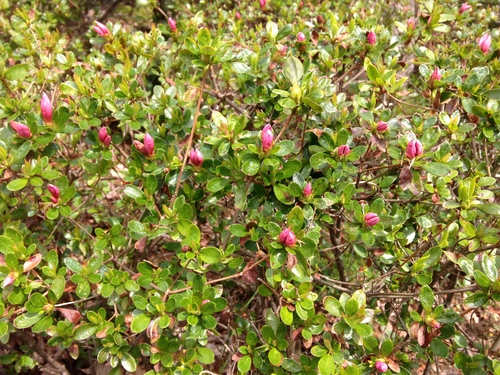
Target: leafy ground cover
point(264, 187)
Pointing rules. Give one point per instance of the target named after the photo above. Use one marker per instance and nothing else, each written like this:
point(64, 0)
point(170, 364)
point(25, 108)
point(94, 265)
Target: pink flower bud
point(410, 24)
point(172, 24)
point(9, 279)
point(267, 137)
point(485, 43)
point(263, 3)
point(100, 28)
point(371, 38)
point(381, 366)
point(54, 191)
point(140, 147)
point(149, 145)
point(238, 15)
point(343, 150)
point(436, 75)
point(21, 130)
point(414, 149)
point(382, 126)
point(307, 190)
point(301, 37)
point(195, 157)
point(283, 50)
point(287, 237)
point(371, 219)
point(104, 137)
point(464, 8)
point(46, 107)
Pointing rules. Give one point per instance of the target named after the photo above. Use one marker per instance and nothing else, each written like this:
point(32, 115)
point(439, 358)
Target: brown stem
point(190, 141)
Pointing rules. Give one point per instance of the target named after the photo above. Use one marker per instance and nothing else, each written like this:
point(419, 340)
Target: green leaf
point(238, 230)
point(477, 299)
point(481, 279)
point(128, 362)
point(216, 184)
point(387, 348)
point(17, 72)
point(84, 331)
point(240, 68)
point(43, 324)
point(439, 348)
point(283, 148)
point(488, 208)
point(293, 69)
point(251, 167)
point(426, 298)
point(493, 94)
point(133, 192)
point(286, 316)
point(204, 38)
point(351, 307)
point(210, 255)
point(295, 219)
point(193, 236)
point(140, 323)
point(245, 363)
point(333, 306)
point(283, 194)
point(437, 169)
point(275, 357)
point(73, 265)
point(17, 184)
point(58, 285)
point(371, 71)
point(27, 320)
point(489, 268)
point(326, 365)
point(205, 356)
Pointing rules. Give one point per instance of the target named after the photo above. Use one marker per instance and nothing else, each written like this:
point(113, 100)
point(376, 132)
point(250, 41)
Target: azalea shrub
point(254, 187)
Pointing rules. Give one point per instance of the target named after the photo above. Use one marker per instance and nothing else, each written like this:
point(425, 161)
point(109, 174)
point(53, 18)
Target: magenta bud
point(464, 8)
point(436, 75)
point(371, 219)
point(100, 28)
point(9, 279)
point(21, 130)
point(485, 43)
point(195, 157)
point(343, 150)
point(54, 191)
point(238, 15)
point(172, 24)
point(263, 3)
point(267, 137)
point(414, 149)
point(104, 137)
point(301, 37)
point(382, 126)
point(307, 190)
point(371, 38)
point(46, 108)
point(287, 237)
point(410, 24)
point(149, 145)
point(381, 366)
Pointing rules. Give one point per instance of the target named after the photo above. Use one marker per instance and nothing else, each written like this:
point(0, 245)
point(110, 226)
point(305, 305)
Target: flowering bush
point(266, 187)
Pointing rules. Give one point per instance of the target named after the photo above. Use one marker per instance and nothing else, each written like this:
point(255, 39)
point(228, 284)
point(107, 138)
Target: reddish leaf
point(72, 315)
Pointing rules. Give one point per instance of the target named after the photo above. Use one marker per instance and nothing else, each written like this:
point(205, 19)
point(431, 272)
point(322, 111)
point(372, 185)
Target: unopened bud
point(414, 149)
point(343, 150)
point(382, 126)
point(104, 137)
point(100, 28)
point(54, 191)
point(301, 37)
point(381, 366)
point(371, 219)
point(307, 190)
point(267, 137)
point(195, 157)
point(464, 8)
point(485, 43)
point(172, 24)
point(436, 75)
point(46, 108)
point(149, 145)
point(21, 130)
point(263, 3)
point(371, 38)
point(287, 237)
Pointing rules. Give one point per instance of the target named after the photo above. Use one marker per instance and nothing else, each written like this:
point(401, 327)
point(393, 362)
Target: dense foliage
point(266, 187)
